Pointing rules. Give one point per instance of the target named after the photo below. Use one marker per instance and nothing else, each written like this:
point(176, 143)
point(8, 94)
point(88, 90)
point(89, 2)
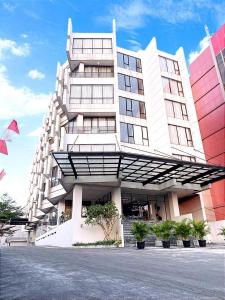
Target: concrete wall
point(61, 236)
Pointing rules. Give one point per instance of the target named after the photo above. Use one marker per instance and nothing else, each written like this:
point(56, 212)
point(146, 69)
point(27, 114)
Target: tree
point(104, 216)
point(8, 210)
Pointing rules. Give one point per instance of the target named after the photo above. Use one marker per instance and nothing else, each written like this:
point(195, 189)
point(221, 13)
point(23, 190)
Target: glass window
point(169, 65)
point(75, 91)
point(129, 62)
point(86, 91)
point(133, 108)
point(121, 82)
point(142, 110)
point(123, 132)
point(92, 45)
point(176, 109)
point(169, 108)
point(172, 86)
point(180, 135)
point(166, 85)
point(163, 65)
point(130, 84)
point(123, 108)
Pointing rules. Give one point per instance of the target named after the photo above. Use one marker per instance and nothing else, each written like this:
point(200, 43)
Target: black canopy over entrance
point(137, 167)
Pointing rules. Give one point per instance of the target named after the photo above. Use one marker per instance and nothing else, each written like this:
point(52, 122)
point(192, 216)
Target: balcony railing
point(92, 74)
point(90, 129)
point(109, 100)
point(91, 147)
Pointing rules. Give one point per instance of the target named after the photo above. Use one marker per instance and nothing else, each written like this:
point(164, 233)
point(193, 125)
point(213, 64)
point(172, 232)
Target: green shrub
point(166, 229)
point(222, 231)
point(183, 229)
point(140, 230)
point(200, 229)
point(104, 216)
point(98, 243)
point(155, 229)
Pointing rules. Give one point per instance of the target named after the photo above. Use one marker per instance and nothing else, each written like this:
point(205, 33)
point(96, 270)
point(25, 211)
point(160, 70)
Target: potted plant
point(183, 231)
point(222, 232)
point(140, 230)
point(155, 229)
point(199, 230)
point(165, 231)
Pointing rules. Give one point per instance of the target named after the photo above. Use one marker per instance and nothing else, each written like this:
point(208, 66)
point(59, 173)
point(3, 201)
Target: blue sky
point(33, 39)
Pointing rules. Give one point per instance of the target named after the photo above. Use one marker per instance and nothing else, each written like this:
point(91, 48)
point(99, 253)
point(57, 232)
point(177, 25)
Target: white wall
point(215, 226)
point(61, 236)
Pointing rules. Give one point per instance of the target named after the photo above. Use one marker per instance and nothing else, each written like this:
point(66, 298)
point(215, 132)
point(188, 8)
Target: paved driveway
point(35, 273)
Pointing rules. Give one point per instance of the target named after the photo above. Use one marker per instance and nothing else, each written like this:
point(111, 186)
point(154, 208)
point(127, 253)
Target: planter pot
point(187, 244)
point(158, 243)
point(166, 244)
point(202, 243)
point(141, 245)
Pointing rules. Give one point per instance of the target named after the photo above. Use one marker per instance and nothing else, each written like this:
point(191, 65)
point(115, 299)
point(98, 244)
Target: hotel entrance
point(144, 207)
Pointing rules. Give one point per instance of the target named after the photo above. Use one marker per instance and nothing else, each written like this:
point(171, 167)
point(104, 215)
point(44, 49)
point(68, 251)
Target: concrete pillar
point(76, 210)
point(79, 120)
point(173, 205)
point(116, 198)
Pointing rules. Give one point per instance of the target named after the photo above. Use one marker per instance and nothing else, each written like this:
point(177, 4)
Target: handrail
point(90, 129)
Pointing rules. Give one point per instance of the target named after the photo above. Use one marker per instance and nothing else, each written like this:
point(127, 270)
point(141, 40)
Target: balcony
point(90, 129)
point(91, 74)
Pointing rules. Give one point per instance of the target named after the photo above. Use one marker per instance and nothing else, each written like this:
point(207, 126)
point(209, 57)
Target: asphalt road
point(35, 273)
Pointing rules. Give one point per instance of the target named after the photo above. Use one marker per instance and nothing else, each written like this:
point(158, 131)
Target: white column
point(76, 210)
point(173, 205)
point(116, 198)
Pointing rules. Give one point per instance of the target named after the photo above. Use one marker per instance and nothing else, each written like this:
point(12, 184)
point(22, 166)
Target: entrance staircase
point(129, 240)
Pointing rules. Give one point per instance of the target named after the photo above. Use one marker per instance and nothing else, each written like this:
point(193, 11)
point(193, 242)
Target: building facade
point(207, 76)
point(121, 127)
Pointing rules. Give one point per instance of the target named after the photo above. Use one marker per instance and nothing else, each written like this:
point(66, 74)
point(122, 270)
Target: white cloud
point(19, 101)
point(134, 14)
point(24, 35)
point(134, 45)
point(203, 44)
point(36, 132)
point(9, 46)
point(8, 6)
point(35, 74)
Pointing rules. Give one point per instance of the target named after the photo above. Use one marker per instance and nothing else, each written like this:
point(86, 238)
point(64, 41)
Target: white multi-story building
point(121, 127)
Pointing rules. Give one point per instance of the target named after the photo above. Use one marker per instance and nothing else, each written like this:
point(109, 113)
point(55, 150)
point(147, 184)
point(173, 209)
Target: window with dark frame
point(169, 65)
point(180, 135)
point(129, 62)
point(172, 86)
point(91, 94)
point(176, 109)
point(132, 108)
point(130, 84)
point(127, 133)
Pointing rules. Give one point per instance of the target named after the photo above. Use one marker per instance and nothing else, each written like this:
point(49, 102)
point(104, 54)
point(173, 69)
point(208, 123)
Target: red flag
point(2, 174)
point(14, 126)
point(3, 147)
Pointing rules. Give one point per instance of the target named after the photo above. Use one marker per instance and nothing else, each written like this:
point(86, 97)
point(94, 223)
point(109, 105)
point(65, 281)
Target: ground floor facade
point(64, 224)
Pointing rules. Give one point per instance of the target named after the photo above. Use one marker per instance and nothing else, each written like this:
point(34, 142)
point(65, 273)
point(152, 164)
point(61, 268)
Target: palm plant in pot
point(199, 230)
point(140, 230)
point(155, 229)
point(222, 232)
point(183, 231)
point(166, 229)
